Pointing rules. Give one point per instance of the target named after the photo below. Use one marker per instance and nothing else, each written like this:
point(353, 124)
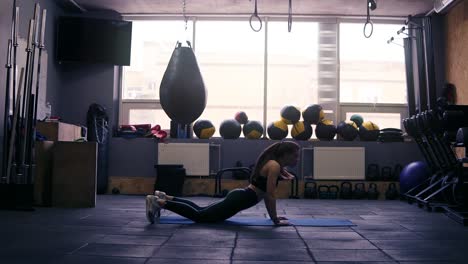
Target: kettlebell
point(346, 191)
point(115, 190)
point(359, 191)
point(333, 191)
point(372, 192)
point(323, 191)
point(386, 173)
point(373, 172)
point(396, 172)
point(310, 190)
point(392, 192)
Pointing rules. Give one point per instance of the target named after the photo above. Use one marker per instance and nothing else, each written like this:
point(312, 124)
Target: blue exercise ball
point(412, 175)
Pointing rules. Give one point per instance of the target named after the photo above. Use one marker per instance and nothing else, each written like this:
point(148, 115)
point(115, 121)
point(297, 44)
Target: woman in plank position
point(268, 170)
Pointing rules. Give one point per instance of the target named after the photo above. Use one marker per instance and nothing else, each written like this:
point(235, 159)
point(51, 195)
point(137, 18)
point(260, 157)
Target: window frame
point(345, 107)
point(126, 104)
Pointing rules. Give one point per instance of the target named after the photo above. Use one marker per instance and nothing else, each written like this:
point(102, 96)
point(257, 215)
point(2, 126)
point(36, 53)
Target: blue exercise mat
point(258, 221)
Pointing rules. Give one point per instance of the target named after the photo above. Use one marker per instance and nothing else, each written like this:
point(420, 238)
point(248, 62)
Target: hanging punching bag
point(182, 93)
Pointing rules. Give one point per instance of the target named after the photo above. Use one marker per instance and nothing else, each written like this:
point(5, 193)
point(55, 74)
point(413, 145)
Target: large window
point(372, 75)
point(152, 46)
point(292, 66)
point(371, 71)
point(261, 72)
point(230, 56)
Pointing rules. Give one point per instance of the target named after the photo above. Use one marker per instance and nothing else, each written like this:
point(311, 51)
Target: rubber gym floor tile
point(186, 261)
point(331, 235)
point(418, 244)
point(81, 228)
point(201, 241)
point(380, 227)
point(207, 231)
point(432, 228)
point(357, 262)
point(270, 262)
point(389, 235)
point(82, 259)
point(140, 231)
point(339, 244)
point(132, 240)
point(283, 253)
point(48, 244)
point(269, 243)
point(144, 224)
point(210, 253)
point(445, 235)
point(268, 234)
point(431, 262)
point(421, 255)
point(349, 255)
point(35, 259)
point(113, 250)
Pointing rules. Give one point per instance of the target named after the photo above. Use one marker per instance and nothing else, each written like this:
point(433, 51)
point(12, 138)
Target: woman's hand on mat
point(281, 223)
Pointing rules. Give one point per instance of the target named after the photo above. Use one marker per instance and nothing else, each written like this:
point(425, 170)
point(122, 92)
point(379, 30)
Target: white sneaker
point(160, 195)
point(153, 210)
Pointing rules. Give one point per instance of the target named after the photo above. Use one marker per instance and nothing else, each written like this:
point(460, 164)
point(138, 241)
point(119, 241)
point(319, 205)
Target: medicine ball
point(230, 129)
point(277, 130)
point(301, 130)
point(369, 131)
point(348, 131)
point(241, 117)
point(253, 130)
point(325, 130)
point(357, 119)
point(413, 174)
point(204, 129)
point(313, 114)
point(290, 114)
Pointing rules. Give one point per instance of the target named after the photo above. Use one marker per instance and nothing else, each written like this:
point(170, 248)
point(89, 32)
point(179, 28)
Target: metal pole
point(15, 47)
point(6, 116)
point(6, 113)
point(32, 135)
point(22, 136)
point(14, 127)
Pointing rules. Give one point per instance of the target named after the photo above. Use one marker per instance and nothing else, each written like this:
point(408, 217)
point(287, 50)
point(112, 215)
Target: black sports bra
point(260, 182)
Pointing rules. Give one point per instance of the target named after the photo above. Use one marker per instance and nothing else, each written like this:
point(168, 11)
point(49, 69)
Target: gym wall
point(456, 49)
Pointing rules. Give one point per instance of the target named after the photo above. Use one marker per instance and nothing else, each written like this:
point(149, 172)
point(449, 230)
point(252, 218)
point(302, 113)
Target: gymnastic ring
point(371, 28)
point(259, 20)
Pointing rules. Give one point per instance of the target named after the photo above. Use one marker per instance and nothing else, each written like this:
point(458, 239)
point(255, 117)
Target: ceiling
point(387, 8)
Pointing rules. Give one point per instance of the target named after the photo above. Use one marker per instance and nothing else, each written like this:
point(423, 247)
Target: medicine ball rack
point(435, 132)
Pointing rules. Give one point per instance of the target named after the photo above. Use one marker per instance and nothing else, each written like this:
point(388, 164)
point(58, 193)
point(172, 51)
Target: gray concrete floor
point(116, 232)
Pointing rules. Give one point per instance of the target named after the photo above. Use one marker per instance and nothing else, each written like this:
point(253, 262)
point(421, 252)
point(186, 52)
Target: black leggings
point(234, 202)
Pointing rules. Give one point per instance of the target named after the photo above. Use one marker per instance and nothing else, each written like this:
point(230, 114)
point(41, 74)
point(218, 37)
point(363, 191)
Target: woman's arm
point(273, 171)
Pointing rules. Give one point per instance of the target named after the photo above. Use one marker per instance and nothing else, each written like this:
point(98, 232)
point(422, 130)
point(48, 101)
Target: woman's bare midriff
point(260, 193)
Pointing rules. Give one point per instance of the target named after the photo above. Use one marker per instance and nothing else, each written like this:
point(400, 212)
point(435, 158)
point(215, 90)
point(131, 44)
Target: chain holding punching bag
point(182, 93)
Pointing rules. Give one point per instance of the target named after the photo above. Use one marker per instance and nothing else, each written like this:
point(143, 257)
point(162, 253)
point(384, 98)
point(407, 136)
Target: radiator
point(194, 156)
point(339, 163)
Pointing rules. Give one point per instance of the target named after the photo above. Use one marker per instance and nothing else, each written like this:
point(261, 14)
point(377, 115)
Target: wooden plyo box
point(74, 174)
point(43, 176)
point(59, 131)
